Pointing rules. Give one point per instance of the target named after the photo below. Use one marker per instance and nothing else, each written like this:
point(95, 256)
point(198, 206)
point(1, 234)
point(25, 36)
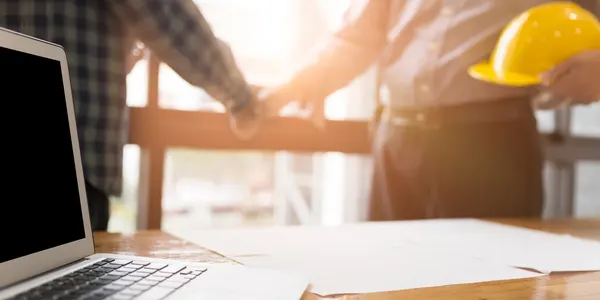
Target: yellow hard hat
point(538, 40)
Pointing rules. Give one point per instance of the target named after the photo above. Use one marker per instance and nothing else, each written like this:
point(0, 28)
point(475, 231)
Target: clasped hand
point(269, 103)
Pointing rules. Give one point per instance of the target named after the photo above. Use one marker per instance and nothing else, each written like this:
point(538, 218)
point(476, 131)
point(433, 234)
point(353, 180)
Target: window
point(124, 209)
point(587, 189)
point(586, 120)
point(574, 164)
point(234, 188)
point(545, 120)
point(137, 84)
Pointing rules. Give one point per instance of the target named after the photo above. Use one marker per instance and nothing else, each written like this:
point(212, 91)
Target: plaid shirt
point(98, 36)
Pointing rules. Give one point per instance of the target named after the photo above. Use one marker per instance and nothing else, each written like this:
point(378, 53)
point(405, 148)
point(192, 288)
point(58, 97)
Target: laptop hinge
point(62, 267)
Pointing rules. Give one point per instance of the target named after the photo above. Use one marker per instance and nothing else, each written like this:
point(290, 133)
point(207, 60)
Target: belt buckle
point(429, 118)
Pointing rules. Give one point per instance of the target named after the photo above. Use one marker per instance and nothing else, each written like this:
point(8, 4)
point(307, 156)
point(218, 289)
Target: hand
point(276, 99)
point(246, 123)
point(576, 78)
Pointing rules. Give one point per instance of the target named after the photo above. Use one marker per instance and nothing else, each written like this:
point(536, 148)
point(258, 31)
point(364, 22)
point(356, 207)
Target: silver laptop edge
point(27, 266)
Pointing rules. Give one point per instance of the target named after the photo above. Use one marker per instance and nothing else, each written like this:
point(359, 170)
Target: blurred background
point(231, 188)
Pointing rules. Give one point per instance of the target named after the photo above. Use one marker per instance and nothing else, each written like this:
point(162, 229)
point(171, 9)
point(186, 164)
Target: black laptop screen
point(40, 206)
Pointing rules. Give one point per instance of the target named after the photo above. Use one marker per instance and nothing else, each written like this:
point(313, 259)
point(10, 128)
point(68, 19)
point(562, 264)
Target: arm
point(180, 36)
point(346, 55)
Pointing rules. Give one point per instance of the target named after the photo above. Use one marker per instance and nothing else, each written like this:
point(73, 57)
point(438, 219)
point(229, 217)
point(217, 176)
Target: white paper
point(361, 258)
point(358, 272)
point(510, 245)
point(241, 283)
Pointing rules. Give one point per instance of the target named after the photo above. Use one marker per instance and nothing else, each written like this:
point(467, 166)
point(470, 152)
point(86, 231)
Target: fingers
point(273, 107)
point(567, 66)
point(572, 85)
point(558, 72)
point(244, 130)
point(562, 85)
point(275, 100)
point(312, 111)
point(317, 116)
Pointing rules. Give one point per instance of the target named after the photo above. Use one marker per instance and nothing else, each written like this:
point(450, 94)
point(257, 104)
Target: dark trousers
point(99, 207)
point(458, 170)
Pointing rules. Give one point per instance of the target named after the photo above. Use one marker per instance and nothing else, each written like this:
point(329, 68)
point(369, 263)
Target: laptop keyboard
point(116, 279)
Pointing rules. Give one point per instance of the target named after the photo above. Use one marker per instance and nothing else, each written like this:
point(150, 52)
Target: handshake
point(270, 102)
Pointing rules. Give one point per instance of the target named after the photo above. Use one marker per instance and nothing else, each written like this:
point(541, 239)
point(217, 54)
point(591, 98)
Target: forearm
point(178, 34)
point(345, 55)
point(333, 68)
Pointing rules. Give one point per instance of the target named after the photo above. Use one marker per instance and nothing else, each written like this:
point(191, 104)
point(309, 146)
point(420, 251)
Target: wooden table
point(559, 286)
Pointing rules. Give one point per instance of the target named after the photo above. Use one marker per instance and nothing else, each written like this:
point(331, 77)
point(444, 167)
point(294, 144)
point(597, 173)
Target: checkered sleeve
point(177, 32)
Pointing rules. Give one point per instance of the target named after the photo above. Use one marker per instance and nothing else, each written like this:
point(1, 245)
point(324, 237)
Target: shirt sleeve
point(177, 32)
point(347, 54)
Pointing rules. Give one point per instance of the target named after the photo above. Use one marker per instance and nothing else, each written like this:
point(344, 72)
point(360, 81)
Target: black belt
point(500, 110)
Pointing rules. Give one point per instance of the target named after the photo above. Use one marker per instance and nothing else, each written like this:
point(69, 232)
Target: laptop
point(47, 248)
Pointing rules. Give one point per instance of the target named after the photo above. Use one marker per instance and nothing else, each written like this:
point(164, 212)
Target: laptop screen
point(40, 208)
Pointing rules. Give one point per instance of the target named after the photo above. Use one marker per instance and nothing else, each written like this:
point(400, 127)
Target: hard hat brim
point(485, 72)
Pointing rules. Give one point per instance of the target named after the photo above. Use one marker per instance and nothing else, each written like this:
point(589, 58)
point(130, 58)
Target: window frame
point(563, 153)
